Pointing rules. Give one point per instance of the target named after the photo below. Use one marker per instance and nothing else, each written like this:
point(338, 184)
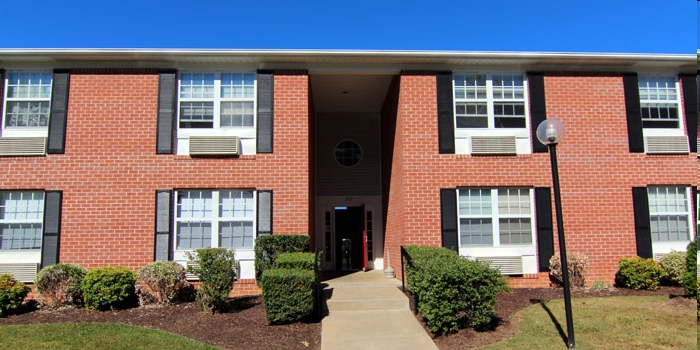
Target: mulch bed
point(245, 327)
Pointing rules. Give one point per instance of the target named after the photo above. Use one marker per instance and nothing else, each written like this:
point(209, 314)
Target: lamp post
point(550, 132)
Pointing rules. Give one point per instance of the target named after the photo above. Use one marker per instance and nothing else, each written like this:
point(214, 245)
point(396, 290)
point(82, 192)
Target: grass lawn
point(606, 323)
point(91, 336)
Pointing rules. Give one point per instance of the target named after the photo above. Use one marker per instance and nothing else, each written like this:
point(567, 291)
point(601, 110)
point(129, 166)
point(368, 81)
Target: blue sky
point(644, 26)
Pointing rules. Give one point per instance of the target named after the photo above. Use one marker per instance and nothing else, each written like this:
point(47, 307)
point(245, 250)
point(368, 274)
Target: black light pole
point(550, 132)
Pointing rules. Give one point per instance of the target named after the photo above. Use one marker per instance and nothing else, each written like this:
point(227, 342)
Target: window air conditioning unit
point(215, 146)
point(23, 272)
point(188, 275)
point(508, 265)
point(667, 145)
point(493, 145)
point(22, 146)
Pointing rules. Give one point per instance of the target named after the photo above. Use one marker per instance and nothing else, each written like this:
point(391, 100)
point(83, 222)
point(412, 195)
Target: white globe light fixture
point(551, 131)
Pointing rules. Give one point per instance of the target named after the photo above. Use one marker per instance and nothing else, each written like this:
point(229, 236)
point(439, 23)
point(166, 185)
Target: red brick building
point(123, 157)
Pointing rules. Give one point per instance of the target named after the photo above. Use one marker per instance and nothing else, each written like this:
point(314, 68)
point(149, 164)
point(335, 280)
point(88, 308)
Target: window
point(491, 101)
point(27, 100)
point(217, 100)
point(21, 220)
point(348, 153)
point(210, 218)
point(669, 214)
point(659, 102)
point(495, 217)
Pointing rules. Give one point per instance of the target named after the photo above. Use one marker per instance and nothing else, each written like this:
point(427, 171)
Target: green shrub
point(302, 261)
point(673, 264)
point(288, 294)
point(451, 291)
point(639, 273)
point(690, 276)
point(59, 285)
point(12, 293)
point(109, 288)
point(217, 272)
point(159, 282)
point(267, 248)
point(577, 265)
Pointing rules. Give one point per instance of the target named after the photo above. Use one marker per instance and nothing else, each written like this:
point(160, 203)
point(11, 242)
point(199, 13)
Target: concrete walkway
point(367, 311)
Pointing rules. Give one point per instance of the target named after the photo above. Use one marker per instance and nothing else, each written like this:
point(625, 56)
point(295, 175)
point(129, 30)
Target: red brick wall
point(596, 170)
point(110, 171)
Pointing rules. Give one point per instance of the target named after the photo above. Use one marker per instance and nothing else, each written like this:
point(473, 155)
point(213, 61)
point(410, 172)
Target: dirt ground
point(245, 327)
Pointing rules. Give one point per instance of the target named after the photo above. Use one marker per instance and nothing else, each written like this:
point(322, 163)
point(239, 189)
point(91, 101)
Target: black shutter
point(448, 219)
point(445, 109)
point(56, 144)
point(266, 99)
point(630, 83)
point(163, 225)
point(690, 105)
point(538, 108)
point(695, 207)
point(51, 238)
point(167, 106)
point(264, 212)
point(545, 231)
point(642, 222)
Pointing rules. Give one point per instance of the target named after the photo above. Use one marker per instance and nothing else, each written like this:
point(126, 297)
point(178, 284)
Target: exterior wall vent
point(493, 145)
point(23, 272)
point(215, 145)
point(508, 265)
point(657, 256)
point(188, 275)
point(667, 145)
point(22, 146)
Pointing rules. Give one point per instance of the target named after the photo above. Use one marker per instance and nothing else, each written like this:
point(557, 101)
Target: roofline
point(314, 58)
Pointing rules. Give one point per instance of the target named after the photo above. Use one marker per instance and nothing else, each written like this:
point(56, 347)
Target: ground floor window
point(215, 218)
point(495, 216)
point(669, 213)
point(21, 220)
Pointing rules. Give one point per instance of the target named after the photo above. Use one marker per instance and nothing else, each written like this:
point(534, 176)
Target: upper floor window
point(489, 101)
point(21, 220)
point(495, 216)
point(27, 100)
point(217, 100)
point(659, 102)
point(211, 218)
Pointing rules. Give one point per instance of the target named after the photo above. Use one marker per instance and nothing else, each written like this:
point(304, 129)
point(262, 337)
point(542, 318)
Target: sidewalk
point(367, 311)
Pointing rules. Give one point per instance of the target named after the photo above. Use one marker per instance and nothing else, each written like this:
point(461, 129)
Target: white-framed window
point(27, 103)
point(217, 104)
point(214, 218)
point(660, 102)
point(495, 217)
point(21, 220)
point(217, 100)
point(491, 110)
point(492, 101)
point(669, 214)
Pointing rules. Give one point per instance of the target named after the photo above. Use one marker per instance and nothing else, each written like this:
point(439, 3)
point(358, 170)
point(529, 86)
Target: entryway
point(349, 238)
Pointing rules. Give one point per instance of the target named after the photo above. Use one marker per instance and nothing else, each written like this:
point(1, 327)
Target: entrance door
point(349, 238)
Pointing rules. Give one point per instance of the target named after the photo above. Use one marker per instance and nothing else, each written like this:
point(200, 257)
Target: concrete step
point(366, 298)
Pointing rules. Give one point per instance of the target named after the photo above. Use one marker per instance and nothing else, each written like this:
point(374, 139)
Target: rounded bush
point(639, 273)
point(576, 263)
point(12, 293)
point(59, 285)
point(159, 282)
point(109, 288)
point(674, 266)
point(217, 272)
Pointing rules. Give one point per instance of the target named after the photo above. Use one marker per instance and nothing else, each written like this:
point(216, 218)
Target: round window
point(348, 153)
